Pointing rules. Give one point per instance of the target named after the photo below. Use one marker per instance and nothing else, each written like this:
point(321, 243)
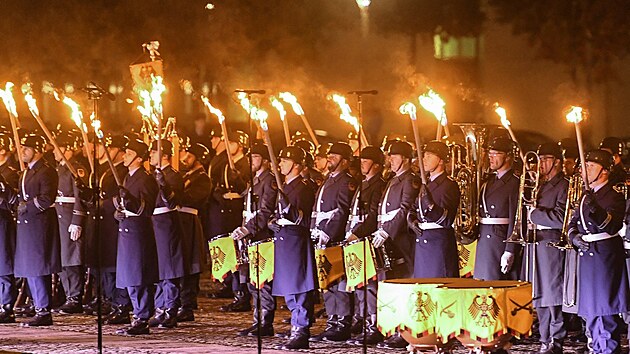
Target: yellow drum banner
point(467, 257)
point(519, 309)
point(223, 255)
point(356, 264)
point(407, 306)
point(483, 312)
point(329, 265)
point(261, 256)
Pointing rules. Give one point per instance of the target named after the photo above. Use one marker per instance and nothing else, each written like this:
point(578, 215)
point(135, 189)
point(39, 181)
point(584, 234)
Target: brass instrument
point(574, 193)
point(623, 189)
point(467, 169)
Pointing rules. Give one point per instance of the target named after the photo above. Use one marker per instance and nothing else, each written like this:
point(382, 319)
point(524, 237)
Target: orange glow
point(278, 105)
point(408, 108)
point(289, 98)
point(346, 112)
point(76, 115)
point(575, 114)
point(500, 111)
point(7, 98)
point(433, 103)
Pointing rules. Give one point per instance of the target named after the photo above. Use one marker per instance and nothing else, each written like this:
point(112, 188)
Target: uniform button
point(126, 230)
point(281, 238)
point(491, 206)
point(425, 241)
point(581, 253)
point(18, 221)
point(26, 221)
point(579, 222)
point(488, 236)
point(222, 211)
point(590, 223)
point(119, 230)
point(101, 218)
point(591, 254)
point(59, 216)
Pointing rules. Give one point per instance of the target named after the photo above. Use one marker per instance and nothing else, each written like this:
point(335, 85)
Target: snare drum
point(261, 261)
point(224, 255)
point(329, 260)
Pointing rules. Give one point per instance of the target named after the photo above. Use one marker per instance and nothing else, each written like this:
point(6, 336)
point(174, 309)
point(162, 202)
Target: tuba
point(467, 169)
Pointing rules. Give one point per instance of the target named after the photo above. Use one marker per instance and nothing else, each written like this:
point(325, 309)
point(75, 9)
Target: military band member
point(392, 229)
point(321, 158)
point(8, 194)
point(37, 248)
point(309, 173)
point(72, 218)
point(294, 270)
point(225, 205)
point(256, 215)
point(497, 210)
point(361, 224)
point(113, 297)
point(618, 172)
point(433, 215)
point(194, 199)
point(548, 219)
point(602, 276)
point(168, 236)
point(328, 222)
point(136, 263)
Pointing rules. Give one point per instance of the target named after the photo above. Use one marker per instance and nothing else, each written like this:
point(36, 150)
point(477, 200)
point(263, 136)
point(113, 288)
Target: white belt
point(232, 196)
point(323, 215)
point(494, 221)
point(162, 210)
point(249, 215)
point(542, 227)
point(354, 220)
point(129, 214)
point(598, 237)
point(285, 222)
point(388, 216)
point(65, 200)
point(430, 226)
point(626, 245)
point(188, 210)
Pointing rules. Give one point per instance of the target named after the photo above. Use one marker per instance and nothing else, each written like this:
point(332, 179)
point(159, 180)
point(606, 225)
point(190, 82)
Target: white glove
point(75, 231)
point(379, 238)
point(240, 233)
point(351, 237)
point(507, 259)
point(323, 238)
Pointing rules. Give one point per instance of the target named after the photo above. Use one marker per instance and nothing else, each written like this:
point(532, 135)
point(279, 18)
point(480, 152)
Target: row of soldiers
point(150, 235)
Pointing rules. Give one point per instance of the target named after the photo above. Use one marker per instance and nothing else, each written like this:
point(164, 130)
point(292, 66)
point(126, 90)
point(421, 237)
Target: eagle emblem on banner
point(464, 255)
point(218, 257)
point(422, 306)
point(484, 310)
point(353, 265)
point(323, 267)
point(257, 260)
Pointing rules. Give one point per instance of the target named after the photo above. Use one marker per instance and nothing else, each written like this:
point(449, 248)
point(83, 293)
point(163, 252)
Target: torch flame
point(408, 108)
point(96, 124)
point(433, 103)
point(151, 107)
point(575, 114)
point(500, 111)
point(256, 113)
point(278, 105)
point(346, 112)
point(76, 114)
point(292, 100)
point(217, 112)
point(7, 98)
point(364, 3)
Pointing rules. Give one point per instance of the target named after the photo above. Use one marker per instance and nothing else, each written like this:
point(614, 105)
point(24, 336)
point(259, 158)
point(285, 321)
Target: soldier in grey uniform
point(328, 221)
point(498, 201)
point(8, 193)
point(548, 219)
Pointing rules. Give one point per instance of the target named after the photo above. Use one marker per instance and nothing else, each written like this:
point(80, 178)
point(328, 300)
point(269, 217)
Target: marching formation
point(412, 210)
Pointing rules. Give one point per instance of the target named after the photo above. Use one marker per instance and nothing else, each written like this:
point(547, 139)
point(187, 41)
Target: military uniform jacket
point(332, 205)
point(364, 207)
point(313, 178)
point(498, 199)
point(136, 262)
point(436, 250)
point(265, 193)
point(9, 176)
point(618, 174)
point(70, 211)
point(294, 270)
point(603, 278)
point(37, 249)
point(549, 217)
point(193, 203)
point(398, 198)
point(225, 205)
point(167, 226)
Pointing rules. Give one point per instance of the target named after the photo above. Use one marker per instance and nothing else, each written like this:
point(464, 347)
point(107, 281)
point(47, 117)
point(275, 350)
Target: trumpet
point(574, 193)
point(528, 195)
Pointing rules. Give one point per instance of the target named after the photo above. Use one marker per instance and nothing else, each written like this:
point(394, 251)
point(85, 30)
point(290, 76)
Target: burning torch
point(410, 109)
point(346, 116)
point(283, 117)
point(221, 119)
point(575, 115)
point(289, 98)
point(9, 103)
point(500, 111)
point(433, 103)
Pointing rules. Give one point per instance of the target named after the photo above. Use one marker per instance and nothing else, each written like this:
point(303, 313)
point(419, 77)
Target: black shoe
point(137, 327)
point(284, 335)
point(170, 319)
point(240, 303)
point(341, 332)
point(265, 331)
point(158, 317)
point(224, 293)
point(371, 338)
point(298, 340)
point(71, 306)
point(118, 316)
point(357, 327)
point(331, 323)
point(25, 311)
point(42, 318)
point(185, 315)
point(6, 314)
point(245, 332)
point(393, 342)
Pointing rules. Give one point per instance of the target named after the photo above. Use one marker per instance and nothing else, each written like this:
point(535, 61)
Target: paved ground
point(213, 332)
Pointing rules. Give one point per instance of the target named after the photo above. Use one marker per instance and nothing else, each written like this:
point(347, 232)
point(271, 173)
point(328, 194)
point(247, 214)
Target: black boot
point(43, 317)
point(6, 314)
point(170, 319)
point(138, 326)
point(394, 342)
point(185, 315)
point(331, 323)
point(240, 303)
point(158, 317)
point(71, 306)
point(357, 325)
point(298, 340)
point(119, 315)
point(372, 335)
point(26, 310)
point(266, 326)
point(224, 293)
point(341, 332)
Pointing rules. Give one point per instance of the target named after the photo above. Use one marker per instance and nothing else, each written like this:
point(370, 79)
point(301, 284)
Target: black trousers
point(73, 279)
point(142, 301)
point(551, 323)
point(337, 301)
point(189, 290)
point(8, 294)
point(40, 288)
point(301, 307)
point(167, 294)
point(267, 303)
point(372, 288)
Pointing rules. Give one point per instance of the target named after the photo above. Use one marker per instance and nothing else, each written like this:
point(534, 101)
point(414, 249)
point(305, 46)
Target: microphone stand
point(95, 95)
